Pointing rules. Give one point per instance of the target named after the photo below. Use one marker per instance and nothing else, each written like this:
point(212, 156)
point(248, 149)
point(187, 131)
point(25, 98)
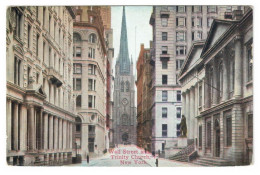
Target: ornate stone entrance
point(125, 138)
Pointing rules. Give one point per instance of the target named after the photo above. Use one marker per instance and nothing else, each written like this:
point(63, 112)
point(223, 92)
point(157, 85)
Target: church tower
point(124, 111)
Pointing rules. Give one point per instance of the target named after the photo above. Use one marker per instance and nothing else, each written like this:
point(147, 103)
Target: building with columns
point(40, 110)
point(124, 111)
point(90, 80)
point(175, 28)
point(144, 98)
point(217, 90)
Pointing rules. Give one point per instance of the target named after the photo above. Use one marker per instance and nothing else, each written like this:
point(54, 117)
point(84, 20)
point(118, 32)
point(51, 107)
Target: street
point(130, 156)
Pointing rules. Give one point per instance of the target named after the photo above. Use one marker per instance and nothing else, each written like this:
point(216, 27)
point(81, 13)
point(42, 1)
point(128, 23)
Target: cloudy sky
point(137, 17)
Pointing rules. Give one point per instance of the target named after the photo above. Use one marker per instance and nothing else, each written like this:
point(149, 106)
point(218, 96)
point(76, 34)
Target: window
point(164, 63)
point(208, 134)
point(91, 85)
point(91, 101)
point(29, 36)
point(164, 95)
point(228, 130)
point(92, 69)
point(50, 24)
point(178, 130)
point(181, 21)
point(192, 36)
point(164, 8)
point(199, 22)
point(178, 95)
point(18, 23)
point(180, 9)
point(249, 63)
point(78, 52)
point(122, 86)
point(179, 64)
point(37, 78)
point(196, 9)
point(54, 32)
point(164, 112)
point(164, 79)
point(200, 136)
point(92, 38)
point(17, 70)
point(250, 126)
point(164, 22)
point(127, 86)
point(28, 75)
point(178, 112)
point(228, 8)
point(78, 84)
point(37, 45)
point(199, 35)
point(193, 22)
point(200, 95)
point(180, 50)
point(43, 15)
point(78, 101)
point(91, 52)
point(212, 9)
point(163, 146)
point(43, 52)
point(164, 130)
point(76, 37)
point(164, 49)
point(180, 36)
point(77, 68)
point(209, 21)
point(78, 124)
point(164, 36)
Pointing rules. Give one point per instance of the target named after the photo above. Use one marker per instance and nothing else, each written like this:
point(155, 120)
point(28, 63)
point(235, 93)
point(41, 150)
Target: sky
point(137, 17)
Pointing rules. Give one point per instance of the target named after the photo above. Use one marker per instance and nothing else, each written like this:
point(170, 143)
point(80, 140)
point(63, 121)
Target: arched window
point(76, 37)
point(127, 85)
point(92, 38)
point(122, 86)
point(220, 79)
point(124, 119)
point(78, 101)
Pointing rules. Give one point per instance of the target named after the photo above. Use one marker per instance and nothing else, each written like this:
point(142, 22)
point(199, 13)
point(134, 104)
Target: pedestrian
point(156, 162)
point(87, 159)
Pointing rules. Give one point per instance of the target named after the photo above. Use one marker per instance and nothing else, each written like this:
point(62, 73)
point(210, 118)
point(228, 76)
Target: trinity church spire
point(123, 57)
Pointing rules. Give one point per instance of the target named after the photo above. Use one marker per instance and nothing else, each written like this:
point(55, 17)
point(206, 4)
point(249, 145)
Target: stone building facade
point(90, 80)
point(217, 90)
point(175, 28)
point(40, 111)
point(144, 98)
point(124, 111)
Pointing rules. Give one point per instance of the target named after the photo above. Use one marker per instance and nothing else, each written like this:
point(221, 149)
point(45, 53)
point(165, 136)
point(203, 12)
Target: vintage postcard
point(130, 86)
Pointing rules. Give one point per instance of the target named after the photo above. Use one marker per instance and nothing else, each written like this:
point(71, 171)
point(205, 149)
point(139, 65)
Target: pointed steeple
point(123, 57)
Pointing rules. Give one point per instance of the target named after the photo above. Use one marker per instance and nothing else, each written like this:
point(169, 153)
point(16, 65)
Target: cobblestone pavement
point(130, 156)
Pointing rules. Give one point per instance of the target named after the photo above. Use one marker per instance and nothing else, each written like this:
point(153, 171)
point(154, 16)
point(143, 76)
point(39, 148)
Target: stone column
point(31, 128)
point(225, 76)
point(84, 140)
point(206, 89)
point(55, 130)
point(40, 129)
point(60, 134)
point(8, 123)
point(15, 127)
point(23, 128)
point(192, 113)
point(196, 111)
point(45, 132)
point(183, 103)
point(221, 123)
point(187, 112)
point(215, 87)
point(71, 135)
point(50, 132)
point(203, 136)
point(64, 135)
point(238, 67)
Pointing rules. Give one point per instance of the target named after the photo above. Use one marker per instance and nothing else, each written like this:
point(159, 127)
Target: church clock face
point(124, 101)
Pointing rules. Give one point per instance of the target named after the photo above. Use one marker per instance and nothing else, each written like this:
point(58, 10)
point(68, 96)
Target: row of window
point(165, 130)
point(180, 36)
point(180, 50)
point(165, 96)
point(91, 101)
point(77, 52)
point(77, 69)
point(196, 9)
point(165, 112)
point(181, 21)
point(77, 84)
